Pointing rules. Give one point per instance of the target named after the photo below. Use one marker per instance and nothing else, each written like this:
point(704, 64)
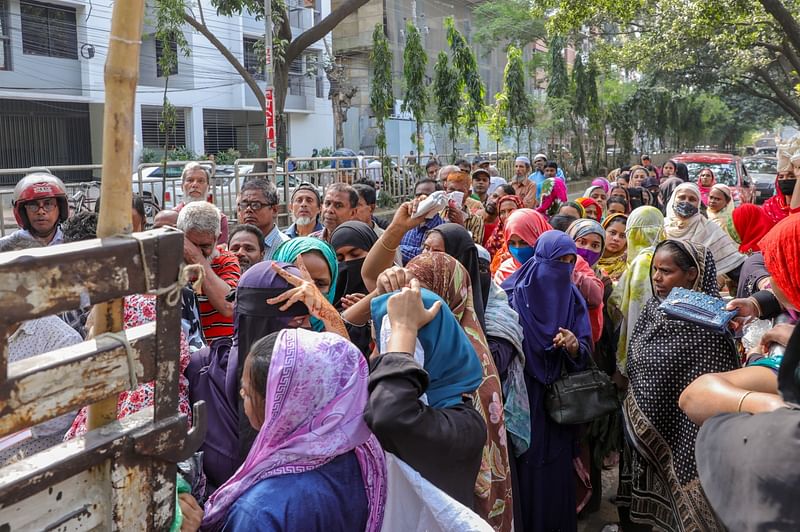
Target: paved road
point(608, 512)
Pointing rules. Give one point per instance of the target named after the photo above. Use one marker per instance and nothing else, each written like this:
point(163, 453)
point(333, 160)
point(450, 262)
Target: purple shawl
point(315, 399)
point(543, 294)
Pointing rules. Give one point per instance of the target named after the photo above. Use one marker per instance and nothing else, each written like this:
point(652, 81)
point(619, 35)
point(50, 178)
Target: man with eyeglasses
point(40, 205)
point(258, 205)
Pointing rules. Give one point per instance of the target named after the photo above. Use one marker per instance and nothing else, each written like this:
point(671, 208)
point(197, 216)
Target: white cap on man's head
point(540, 156)
point(523, 159)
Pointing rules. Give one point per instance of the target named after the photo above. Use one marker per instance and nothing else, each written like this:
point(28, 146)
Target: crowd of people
point(343, 354)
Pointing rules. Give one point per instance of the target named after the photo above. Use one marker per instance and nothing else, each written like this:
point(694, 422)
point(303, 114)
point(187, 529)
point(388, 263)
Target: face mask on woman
point(786, 186)
point(521, 254)
point(589, 256)
point(684, 209)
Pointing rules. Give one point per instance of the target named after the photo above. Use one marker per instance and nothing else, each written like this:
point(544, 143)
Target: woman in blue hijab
point(557, 334)
point(420, 403)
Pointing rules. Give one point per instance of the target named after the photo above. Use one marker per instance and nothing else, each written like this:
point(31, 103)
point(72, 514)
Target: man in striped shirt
point(200, 223)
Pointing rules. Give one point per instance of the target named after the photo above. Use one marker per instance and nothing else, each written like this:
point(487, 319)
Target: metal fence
point(164, 188)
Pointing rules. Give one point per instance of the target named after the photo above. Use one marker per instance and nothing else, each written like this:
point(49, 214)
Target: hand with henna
point(307, 292)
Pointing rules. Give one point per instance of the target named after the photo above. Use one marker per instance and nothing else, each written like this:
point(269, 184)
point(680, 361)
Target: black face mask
point(786, 186)
point(349, 280)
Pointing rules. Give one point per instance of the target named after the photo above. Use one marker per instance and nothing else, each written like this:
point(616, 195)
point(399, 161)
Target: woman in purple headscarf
point(315, 465)
point(557, 334)
point(215, 373)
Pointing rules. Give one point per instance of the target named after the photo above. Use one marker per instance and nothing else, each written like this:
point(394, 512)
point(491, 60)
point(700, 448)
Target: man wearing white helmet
point(40, 205)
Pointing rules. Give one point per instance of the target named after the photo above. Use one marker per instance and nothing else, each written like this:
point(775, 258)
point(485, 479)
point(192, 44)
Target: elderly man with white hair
point(200, 223)
point(195, 184)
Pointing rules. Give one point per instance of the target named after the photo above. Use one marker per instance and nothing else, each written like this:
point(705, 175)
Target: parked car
point(762, 169)
point(728, 170)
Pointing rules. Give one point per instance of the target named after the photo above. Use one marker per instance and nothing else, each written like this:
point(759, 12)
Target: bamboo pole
point(121, 76)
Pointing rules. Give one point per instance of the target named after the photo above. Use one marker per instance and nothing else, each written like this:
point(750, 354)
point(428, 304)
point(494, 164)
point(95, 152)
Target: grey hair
point(191, 167)
point(199, 216)
point(446, 171)
point(265, 187)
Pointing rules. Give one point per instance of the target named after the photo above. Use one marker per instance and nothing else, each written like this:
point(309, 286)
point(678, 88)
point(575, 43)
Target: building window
point(48, 30)
point(252, 63)
point(173, 46)
point(5, 37)
point(153, 137)
point(297, 76)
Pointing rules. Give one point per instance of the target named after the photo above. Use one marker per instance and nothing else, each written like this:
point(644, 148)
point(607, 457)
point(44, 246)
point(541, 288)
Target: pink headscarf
point(705, 191)
point(602, 182)
point(315, 399)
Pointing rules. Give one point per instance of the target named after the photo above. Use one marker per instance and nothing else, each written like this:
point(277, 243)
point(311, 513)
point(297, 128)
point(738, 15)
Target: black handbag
point(580, 397)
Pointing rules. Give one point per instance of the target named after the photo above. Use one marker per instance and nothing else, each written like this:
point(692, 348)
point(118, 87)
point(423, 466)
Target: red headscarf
point(495, 241)
point(751, 223)
point(776, 207)
point(525, 223)
point(705, 191)
point(781, 249)
point(589, 201)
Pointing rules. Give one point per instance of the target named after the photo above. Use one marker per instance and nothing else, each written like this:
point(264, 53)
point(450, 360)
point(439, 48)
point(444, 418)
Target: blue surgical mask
point(522, 254)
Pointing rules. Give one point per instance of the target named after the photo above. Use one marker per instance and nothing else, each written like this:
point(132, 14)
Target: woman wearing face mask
point(778, 206)
point(319, 259)
point(589, 237)
point(684, 222)
point(658, 481)
point(215, 373)
point(352, 241)
point(522, 229)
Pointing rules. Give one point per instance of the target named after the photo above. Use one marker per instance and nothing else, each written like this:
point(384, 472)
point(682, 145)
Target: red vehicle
point(728, 170)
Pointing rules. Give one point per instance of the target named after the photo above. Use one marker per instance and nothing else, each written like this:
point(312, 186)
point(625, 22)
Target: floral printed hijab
point(446, 277)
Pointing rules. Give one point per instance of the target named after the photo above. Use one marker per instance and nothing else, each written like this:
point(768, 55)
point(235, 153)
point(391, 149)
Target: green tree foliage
point(447, 96)
point(518, 103)
point(497, 121)
point(381, 99)
point(558, 80)
point(507, 21)
point(415, 97)
point(751, 47)
point(467, 68)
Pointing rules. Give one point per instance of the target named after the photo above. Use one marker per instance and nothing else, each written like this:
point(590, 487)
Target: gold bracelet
point(741, 401)
point(387, 248)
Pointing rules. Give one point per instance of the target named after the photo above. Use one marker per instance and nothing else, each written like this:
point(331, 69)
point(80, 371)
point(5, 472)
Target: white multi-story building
point(51, 84)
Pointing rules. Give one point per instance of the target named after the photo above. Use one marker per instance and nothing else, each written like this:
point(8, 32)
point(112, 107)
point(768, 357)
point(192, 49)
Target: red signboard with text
point(269, 117)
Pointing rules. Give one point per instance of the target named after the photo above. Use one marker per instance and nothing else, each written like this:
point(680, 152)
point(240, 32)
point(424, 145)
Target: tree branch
point(784, 18)
point(232, 59)
point(317, 32)
point(789, 106)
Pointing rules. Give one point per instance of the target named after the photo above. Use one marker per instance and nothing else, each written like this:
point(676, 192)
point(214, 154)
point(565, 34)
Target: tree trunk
point(784, 18)
point(120, 76)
